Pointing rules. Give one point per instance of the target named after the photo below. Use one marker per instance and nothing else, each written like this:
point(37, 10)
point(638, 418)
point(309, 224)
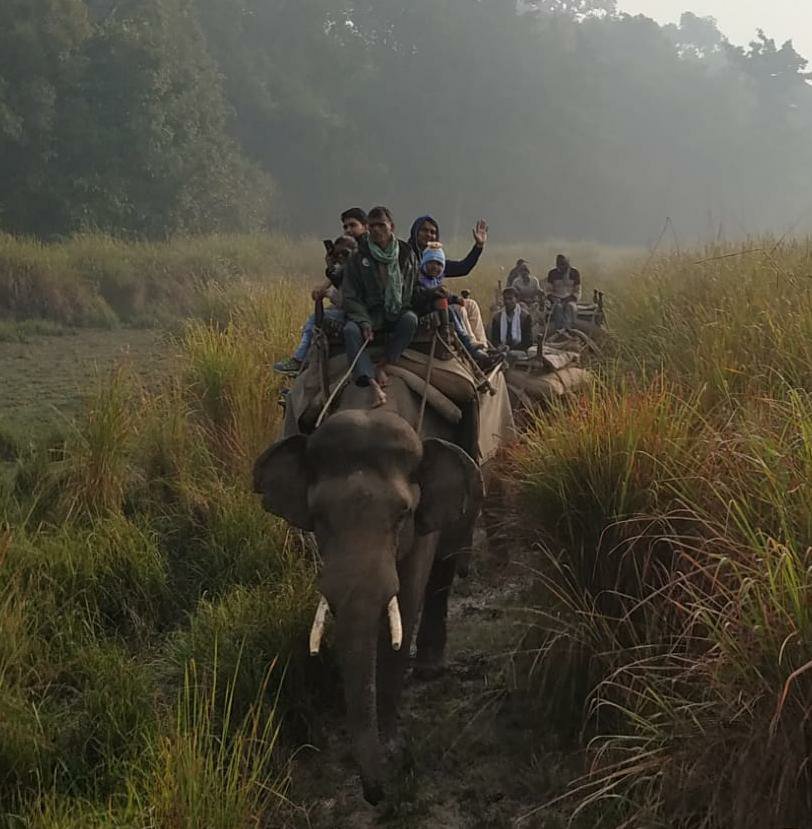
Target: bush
point(215, 767)
point(670, 622)
point(111, 572)
point(95, 280)
point(240, 635)
point(105, 713)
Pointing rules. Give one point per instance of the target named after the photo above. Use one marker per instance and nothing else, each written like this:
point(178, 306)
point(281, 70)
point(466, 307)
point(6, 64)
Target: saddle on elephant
point(457, 390)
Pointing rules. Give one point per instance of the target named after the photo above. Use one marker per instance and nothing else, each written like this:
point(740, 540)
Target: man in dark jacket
point(425, 229)
point(378, 286)
point(512, 327)
point(563, 291)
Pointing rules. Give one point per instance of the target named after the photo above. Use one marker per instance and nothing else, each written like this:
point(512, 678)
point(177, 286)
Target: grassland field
point(152, 671)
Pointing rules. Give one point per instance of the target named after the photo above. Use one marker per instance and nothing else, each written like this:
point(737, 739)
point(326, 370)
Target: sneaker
point(290, 365)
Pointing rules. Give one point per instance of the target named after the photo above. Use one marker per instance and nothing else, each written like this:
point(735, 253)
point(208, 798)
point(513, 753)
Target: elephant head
point(369, 489)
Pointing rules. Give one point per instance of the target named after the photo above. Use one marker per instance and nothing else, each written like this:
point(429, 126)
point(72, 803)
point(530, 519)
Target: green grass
point(26, 330)
point(670, 624)
point(144, 594)
point(94, 280)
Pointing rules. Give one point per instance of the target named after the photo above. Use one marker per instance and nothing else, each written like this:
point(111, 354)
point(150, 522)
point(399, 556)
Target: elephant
point(381, 501)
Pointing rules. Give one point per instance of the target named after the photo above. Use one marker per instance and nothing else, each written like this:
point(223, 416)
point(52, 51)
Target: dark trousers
point(401, 333)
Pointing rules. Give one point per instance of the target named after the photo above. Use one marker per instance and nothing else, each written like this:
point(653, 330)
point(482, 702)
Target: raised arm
point(463, 267)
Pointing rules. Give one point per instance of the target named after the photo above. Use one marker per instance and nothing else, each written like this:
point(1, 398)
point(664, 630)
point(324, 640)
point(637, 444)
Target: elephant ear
point(451, 489)
point(280, 476)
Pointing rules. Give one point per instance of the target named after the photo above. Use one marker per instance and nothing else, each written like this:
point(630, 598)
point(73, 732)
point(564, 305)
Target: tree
point(41, 44)
point(779, 74)
point(115, 119)
point(158, 159)
point(697, 37)
point(575, 9)
point(149, 117)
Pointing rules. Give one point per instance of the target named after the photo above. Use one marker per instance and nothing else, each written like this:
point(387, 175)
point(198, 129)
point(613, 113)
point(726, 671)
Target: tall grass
point(212, 768)
point(205, 767)
point(671, 629)
point(145, 595)
point(94, 280)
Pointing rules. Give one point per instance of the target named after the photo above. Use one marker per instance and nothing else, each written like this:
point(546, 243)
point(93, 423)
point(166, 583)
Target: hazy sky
point(739, 19)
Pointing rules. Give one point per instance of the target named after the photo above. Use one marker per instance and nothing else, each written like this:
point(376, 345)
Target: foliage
point(146, 597)
point(95, 280)
point(670, 629)
point(166, 116)
point(116, 121)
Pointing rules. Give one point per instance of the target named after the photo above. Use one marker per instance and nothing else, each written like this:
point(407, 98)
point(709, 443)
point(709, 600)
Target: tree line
point(148, 118)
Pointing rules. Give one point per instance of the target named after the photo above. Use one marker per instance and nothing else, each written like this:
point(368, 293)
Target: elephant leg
point(431, 638)
point(413, 574)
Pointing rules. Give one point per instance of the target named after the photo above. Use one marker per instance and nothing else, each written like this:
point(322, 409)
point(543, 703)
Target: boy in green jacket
point(379, 282)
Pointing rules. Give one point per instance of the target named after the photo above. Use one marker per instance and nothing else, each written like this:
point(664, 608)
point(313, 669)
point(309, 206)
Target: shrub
point(670, 625)
point(252, 627)
point(111, 571)
point(215, 767)
point(105, 713)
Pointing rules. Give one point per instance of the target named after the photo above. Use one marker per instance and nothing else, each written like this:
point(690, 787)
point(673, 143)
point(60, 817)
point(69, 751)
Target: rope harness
point(340, 385)
point(428, 382)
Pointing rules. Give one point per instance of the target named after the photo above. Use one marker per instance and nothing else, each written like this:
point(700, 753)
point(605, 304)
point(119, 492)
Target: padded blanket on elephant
point(496, 424)
point(452, 394)
point(533, 388)
point(553, 357)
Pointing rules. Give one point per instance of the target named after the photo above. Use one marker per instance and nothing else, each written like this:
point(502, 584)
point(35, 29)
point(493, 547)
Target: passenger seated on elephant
point(379, 283)
point(527, 286)
point(430, 288)
point(512, 327)
point(472, 317)
point(563, 291)
point(425, 230)
point(521, 266)
point(338, 252)
point(354, 225)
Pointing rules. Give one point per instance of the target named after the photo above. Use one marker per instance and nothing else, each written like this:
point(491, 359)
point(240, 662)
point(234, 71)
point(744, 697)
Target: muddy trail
point(466, 757)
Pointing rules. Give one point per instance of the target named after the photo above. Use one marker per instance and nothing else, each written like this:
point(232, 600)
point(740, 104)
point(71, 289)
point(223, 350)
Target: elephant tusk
point(317, 631)
point(395, 625)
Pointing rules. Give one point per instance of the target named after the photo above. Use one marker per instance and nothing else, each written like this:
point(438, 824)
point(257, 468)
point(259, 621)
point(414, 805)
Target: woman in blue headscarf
point(425, 229)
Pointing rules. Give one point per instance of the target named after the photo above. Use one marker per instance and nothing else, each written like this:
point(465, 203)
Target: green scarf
point(393, 293)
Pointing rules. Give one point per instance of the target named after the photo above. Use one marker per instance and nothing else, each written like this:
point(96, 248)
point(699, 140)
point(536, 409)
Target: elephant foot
point(373, 791)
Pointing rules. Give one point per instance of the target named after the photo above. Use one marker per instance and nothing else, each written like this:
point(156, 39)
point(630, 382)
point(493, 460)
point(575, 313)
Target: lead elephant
point(380, 502)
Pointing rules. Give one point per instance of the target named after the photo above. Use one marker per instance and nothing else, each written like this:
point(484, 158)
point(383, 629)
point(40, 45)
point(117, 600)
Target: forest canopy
point(148, 118)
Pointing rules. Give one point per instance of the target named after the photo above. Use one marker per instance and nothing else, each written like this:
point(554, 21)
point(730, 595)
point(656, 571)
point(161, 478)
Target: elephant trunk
point(357, 642)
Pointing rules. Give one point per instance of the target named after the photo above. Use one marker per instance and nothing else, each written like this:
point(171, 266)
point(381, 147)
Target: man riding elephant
point(563, 288)
point(379, 284)
point(512, 327)
point(392, 511)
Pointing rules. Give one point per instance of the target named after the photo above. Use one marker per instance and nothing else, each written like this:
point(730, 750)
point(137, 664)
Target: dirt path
point(467, 758)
